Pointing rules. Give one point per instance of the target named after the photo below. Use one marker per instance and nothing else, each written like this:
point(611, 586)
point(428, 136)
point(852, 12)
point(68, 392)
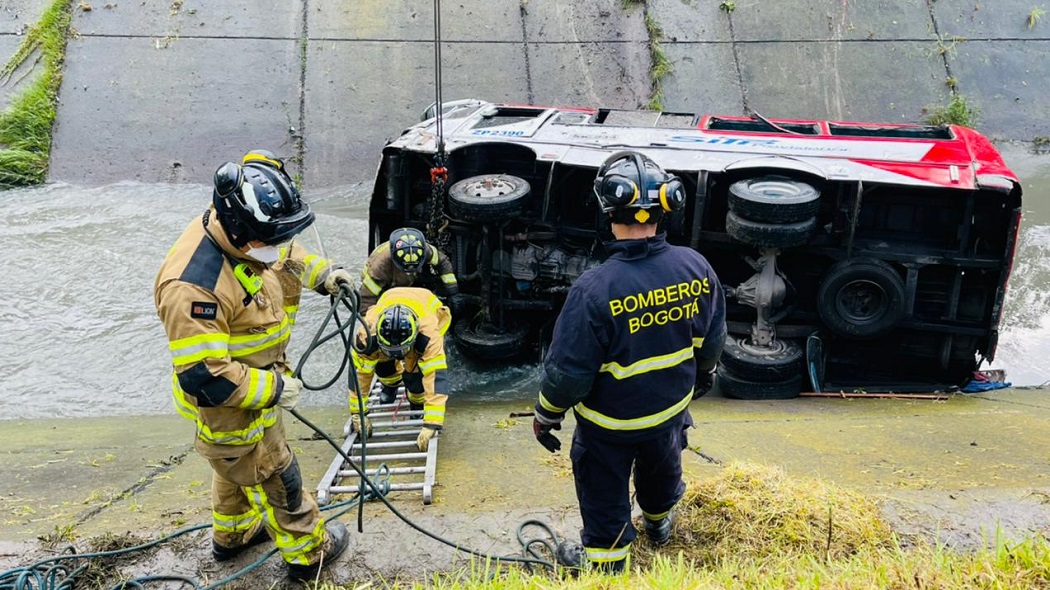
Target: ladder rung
point(397, 424)
point(385, 445)
point(390, 456)
point(394, 487)
point(392, 470)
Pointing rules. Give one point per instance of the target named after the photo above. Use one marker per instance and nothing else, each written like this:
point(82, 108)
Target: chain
point(437, 223)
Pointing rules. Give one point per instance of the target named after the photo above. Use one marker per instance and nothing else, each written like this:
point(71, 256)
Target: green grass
point(661, 64)
point(25, 126)
point(1033, 17)
point(958, 111)
point(753, 527)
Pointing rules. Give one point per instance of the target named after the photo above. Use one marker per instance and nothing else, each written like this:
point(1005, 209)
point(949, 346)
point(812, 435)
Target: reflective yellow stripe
point(260, 388)
point(315, 265)
point(234, 523)
point(246, 436)
point(433, 414)
point(433, 255)
point(354, 407)
point(186, 351)
point(416, 398)
point(636, 423)
point(252, 343)
point(698, 342)
point(655, 516)
point(449, 279)
point(653, 363)
point(293, 550)
point(433, 364)
point(605, 555)
point(546, 405)
point(363, 365)
point(369, 282)
point(390, 379)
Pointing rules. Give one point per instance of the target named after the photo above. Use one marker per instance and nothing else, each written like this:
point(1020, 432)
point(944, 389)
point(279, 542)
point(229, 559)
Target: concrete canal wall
point(164, 90)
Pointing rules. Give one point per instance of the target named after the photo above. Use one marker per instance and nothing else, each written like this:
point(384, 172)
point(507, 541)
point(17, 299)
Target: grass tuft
point(958, 111)
point(25, 126)
point(661, 64)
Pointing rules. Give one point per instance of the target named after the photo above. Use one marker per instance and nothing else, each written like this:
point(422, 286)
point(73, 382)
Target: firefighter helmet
point(408, 248)
point(397, 330)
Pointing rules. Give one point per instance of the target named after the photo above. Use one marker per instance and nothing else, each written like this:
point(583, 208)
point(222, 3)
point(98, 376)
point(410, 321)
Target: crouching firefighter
point(637, 334)
point(407, 347)
point(227, 294)
point(400, 262)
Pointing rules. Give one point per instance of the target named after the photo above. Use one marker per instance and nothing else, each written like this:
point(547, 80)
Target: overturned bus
point(853, 255)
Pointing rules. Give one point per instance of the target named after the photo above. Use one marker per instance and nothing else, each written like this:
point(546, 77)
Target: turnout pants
point(601, 467)
point(264, 488)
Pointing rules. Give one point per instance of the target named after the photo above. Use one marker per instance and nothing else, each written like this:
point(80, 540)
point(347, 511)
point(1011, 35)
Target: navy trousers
point(602, 466)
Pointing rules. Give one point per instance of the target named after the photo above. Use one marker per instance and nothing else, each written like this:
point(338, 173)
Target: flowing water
point(80, 336)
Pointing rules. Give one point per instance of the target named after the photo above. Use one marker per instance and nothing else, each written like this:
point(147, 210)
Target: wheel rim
point(775, 347)
point(776, 189)
point(862, 302)
point(489, 188)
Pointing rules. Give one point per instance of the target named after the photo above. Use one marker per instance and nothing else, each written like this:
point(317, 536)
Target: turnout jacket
point(228, 343)
point(424, 369)
point(626, 344)
point(380, 273)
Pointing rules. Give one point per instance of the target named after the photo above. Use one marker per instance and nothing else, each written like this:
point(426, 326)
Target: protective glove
point(457, 304)
point(425, 434)
point(542, 426)
point(336, 279)
point(705, 380)
point(355, 425)
point(292, 388)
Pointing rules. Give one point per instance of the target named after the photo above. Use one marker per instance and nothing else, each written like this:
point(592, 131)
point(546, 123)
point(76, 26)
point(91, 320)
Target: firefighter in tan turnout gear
point(227, 294)
point(407, 347)
point(399, 262)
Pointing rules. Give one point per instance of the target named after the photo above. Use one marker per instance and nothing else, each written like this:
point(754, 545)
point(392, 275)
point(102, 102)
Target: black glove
point(705, 380)
point(542, 430)
point(457, 304)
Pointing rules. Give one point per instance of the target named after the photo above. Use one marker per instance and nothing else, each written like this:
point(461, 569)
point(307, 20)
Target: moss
point(661, 64)
point(25, 126)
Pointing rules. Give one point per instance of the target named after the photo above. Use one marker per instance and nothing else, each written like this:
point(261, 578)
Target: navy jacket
point(625, 345)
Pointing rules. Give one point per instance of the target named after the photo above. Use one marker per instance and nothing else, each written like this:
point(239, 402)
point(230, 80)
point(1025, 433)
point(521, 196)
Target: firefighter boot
point(659, 531)
point(572, 556)
point(336, 540)
point(387, 394)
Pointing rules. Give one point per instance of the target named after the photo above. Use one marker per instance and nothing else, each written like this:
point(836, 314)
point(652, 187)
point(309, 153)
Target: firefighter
point(407, 347)
point(638, 336)
point(400, 261)
point(227, 294)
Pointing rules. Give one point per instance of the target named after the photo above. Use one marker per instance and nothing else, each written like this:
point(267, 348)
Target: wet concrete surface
point(167, 90)
point(951, 470)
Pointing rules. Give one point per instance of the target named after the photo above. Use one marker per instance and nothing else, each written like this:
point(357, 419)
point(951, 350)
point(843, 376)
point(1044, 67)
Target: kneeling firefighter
point(407, 346)
point(227, 294)
point(638, 336)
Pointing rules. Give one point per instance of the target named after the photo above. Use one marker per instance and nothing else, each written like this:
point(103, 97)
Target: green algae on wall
point(25, 126)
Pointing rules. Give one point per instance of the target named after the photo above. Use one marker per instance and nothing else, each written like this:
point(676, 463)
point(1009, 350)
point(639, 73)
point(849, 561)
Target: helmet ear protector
point(617, 190)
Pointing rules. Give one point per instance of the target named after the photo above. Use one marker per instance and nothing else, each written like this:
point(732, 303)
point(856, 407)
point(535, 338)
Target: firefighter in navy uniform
point(227, 294)
point(400, 261)
point(639, 336)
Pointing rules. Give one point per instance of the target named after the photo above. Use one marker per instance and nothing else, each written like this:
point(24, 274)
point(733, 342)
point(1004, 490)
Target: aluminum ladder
point(393, 442)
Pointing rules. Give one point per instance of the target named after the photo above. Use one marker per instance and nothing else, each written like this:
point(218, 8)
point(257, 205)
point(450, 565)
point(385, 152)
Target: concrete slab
point(17, 15)
point(824, 20)
point(704, 80)
point(10, 87)
point(411, 20)
point(172, 114)
point(263, 19)
point(349, 117)
point(816, 80)
point(612, 75)
point(690, 20)
point(1002, 19)
point(579, 22)
point(1008, 83)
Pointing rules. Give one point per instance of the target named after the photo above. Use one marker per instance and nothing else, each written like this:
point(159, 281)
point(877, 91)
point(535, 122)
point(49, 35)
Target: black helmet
point(408, 248)
point(630, 180)
point(258, 201)
point(397, 330)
